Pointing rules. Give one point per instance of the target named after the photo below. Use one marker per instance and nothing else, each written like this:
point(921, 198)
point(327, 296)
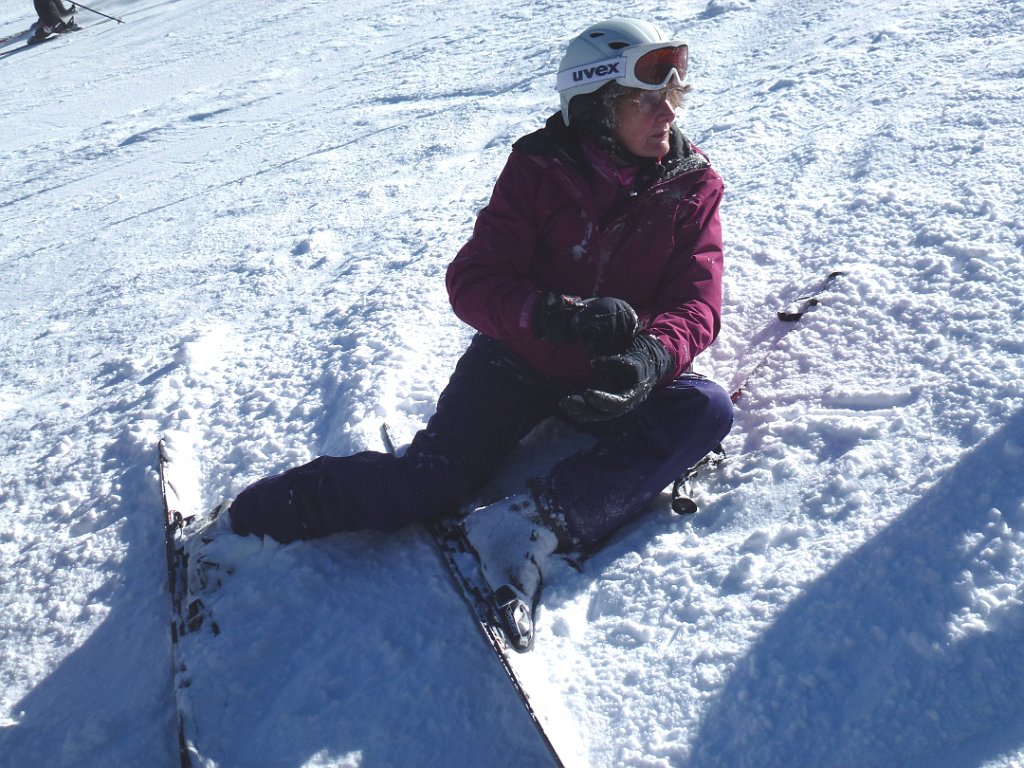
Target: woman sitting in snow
point(593, 278)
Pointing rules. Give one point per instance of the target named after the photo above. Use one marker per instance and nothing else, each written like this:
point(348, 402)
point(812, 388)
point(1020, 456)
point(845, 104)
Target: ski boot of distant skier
point(54, 19)
point(45, 32)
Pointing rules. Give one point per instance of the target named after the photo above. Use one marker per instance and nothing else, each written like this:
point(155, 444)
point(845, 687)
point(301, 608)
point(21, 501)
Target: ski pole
point(93, 10)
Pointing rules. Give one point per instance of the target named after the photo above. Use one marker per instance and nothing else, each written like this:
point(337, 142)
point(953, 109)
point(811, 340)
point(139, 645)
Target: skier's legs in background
point(491, 402)
point(50, 12)
point(54, 18)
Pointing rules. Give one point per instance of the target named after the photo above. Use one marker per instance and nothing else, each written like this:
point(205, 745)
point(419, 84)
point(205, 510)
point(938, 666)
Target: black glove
point(605, 325)
point(622, 382)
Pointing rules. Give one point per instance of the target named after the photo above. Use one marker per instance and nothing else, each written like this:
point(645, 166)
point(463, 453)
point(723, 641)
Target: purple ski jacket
point(556, 222)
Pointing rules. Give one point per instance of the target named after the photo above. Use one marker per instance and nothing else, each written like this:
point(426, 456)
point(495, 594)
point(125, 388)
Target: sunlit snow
point(228, 223)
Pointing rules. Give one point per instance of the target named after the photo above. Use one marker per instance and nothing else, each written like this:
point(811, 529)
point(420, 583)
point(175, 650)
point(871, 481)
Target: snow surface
point(229, 222)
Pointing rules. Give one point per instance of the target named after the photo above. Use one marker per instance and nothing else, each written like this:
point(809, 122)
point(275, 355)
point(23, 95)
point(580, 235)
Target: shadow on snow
point(867, 667)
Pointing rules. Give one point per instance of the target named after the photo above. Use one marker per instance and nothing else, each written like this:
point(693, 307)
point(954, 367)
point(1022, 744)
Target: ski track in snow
point(236, 234)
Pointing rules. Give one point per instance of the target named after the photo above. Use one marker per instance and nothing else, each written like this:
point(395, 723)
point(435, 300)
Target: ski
point(9, 52)
point(463, 567)
point(8, 38)
point(777, 328)
point(32, 42)
point(187, 613)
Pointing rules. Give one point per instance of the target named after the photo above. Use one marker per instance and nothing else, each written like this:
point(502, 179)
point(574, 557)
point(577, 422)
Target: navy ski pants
point(50, 12)
point(492, 401)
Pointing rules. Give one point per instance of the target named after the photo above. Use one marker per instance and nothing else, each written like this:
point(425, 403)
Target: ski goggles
point(649, 66)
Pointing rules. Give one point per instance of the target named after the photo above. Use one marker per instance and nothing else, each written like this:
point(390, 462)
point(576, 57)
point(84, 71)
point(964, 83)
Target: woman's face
point(643, 121)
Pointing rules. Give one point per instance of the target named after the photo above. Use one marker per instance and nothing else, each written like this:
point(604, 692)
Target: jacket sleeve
point(488, 280)
point(687, 315)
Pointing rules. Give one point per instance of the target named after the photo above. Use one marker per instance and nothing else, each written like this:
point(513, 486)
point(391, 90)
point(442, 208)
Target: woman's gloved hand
point(622, 381)
point(605, 325)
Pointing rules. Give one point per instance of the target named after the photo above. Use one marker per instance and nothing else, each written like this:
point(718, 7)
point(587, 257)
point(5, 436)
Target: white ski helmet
point(632, 52)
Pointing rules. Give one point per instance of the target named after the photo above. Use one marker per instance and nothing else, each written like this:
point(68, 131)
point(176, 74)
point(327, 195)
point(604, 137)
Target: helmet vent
point(617, 45)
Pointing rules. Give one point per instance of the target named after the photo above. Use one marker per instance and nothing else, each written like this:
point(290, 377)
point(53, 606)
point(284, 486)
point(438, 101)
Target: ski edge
point(443, 534)
point(174, 522)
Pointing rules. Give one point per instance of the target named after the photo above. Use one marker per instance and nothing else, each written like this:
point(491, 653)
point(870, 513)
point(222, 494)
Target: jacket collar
point(555, 139)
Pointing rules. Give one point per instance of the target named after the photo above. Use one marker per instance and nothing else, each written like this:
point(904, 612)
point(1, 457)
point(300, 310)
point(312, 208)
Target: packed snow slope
point(229, 223)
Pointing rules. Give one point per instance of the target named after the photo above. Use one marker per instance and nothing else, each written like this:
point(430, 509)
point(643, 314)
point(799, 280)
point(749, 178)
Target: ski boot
point(514, 540)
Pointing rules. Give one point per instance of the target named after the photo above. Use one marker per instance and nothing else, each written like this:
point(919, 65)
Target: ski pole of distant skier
point(98, 13)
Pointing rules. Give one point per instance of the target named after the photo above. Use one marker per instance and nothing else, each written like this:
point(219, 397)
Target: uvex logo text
point(595, 71)
point(600, 72)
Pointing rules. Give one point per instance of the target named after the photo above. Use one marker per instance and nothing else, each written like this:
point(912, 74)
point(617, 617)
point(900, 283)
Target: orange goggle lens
point(654, 67)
